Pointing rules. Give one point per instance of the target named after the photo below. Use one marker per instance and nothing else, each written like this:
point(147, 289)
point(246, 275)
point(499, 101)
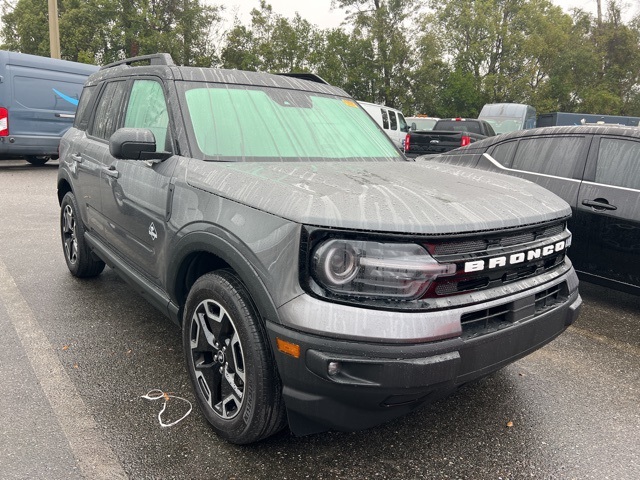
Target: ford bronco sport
point(320, 278)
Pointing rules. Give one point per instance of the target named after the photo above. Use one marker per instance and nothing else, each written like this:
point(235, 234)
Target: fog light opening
point(333, 368)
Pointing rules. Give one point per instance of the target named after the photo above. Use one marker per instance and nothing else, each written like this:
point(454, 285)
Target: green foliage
point(436, 57)
point(25, 27)
point(273, 43)
point(101, 31)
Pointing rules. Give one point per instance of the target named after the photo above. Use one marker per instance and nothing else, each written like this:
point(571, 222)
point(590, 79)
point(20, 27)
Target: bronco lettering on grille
point(515, 258)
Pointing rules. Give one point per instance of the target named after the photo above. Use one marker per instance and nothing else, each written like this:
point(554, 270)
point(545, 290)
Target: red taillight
point(4, 122)
point(407, 142)
point(465, 140)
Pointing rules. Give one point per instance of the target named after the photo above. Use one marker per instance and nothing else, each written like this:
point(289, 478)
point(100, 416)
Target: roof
point(212, 75)
point(618, 130)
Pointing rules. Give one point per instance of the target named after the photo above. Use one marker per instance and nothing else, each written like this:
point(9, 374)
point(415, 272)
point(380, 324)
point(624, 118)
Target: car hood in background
point(400, 197)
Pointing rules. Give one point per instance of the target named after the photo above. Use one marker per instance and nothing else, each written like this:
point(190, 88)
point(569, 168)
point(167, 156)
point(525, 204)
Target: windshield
point(245, 123)
point(504, 124)
point(423, 123)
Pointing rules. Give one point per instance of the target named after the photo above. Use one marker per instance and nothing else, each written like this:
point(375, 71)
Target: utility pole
point(599, 3)
point(54, 30)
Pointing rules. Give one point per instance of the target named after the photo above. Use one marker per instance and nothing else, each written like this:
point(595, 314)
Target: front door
point(135, 193)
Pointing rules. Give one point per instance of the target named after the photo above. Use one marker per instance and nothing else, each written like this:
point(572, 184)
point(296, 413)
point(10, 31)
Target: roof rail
point(312, 77)
point(154, 59)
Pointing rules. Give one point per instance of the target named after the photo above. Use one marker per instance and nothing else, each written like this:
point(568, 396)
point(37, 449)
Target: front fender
point(256, 264)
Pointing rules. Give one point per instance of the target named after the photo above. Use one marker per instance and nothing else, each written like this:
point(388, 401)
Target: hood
point(398, 197)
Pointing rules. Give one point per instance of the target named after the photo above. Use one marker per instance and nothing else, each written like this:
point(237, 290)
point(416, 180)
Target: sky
point(318, 12)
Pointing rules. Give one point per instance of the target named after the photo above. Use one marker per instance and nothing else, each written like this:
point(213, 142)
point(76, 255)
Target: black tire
point(80, 260)
point(37, 160)
point(230, 364)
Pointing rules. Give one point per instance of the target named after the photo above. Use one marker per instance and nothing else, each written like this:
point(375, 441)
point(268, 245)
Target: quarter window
point(618, 163)
point(555, 156)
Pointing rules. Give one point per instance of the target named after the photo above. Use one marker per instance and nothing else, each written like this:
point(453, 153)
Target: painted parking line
point(94, 457)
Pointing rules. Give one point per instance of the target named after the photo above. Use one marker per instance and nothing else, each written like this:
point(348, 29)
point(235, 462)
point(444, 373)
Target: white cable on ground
point(157, 394)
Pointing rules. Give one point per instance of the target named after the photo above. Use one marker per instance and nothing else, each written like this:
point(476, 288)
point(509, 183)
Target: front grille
point(493, 248)
point(508, 240)
point(492, 319)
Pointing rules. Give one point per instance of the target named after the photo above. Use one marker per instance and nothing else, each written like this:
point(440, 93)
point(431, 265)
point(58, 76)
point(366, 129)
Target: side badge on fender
point(152, 231)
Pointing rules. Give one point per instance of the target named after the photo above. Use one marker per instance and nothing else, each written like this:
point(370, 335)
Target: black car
point(596, 169)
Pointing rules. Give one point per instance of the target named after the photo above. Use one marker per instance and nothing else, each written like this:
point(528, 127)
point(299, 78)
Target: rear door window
point(393, 121)
point(107, 110)
point(556, 156)
point(85, 107)
point(385, 119)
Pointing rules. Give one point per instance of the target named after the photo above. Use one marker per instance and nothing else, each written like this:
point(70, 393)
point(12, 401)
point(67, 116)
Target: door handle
point(599, 205)
point(76, 157)
point(112, 172)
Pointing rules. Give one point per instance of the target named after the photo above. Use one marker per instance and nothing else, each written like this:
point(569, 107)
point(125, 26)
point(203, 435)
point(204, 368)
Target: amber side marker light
point(288, 348)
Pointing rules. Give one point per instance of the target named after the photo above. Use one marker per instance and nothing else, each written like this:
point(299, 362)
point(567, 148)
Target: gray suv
point(320, 278)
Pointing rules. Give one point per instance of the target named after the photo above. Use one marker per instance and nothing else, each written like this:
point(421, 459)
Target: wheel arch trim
point(228, 249)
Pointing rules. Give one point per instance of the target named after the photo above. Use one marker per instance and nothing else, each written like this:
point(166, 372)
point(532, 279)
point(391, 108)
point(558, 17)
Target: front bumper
point(377, 382)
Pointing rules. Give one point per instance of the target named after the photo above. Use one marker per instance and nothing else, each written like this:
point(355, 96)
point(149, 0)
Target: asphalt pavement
point(76, 358)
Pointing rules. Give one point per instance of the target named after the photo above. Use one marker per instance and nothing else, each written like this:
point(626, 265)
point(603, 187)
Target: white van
point(390, 120)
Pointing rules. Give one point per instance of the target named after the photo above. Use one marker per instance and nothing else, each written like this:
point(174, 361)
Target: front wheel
point(80, 260)
point(229, 361)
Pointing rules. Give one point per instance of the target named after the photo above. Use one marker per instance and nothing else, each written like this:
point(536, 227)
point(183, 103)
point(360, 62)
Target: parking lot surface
point(77, 356)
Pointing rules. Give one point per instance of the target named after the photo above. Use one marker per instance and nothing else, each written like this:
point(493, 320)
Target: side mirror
point(135, 144)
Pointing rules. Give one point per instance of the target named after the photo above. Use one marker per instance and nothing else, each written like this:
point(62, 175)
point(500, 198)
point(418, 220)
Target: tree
point(25, 27)
point(348, 61)
point(101, 31)
point(382, 23)
point(273, 43)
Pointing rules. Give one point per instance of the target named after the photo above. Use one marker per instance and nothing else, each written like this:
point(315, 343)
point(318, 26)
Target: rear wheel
point(229, 360)
point(80, 260)
point(37, 160)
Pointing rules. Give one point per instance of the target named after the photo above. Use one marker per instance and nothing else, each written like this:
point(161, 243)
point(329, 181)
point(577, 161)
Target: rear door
point(91, 151)
point(75, 150)
point(609, 208)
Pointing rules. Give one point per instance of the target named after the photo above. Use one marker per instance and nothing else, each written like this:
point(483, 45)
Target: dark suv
point(319, 277)
point(596, 169)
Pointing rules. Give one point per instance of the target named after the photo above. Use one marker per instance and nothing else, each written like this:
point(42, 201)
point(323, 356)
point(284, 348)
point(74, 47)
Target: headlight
point(354, 268)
